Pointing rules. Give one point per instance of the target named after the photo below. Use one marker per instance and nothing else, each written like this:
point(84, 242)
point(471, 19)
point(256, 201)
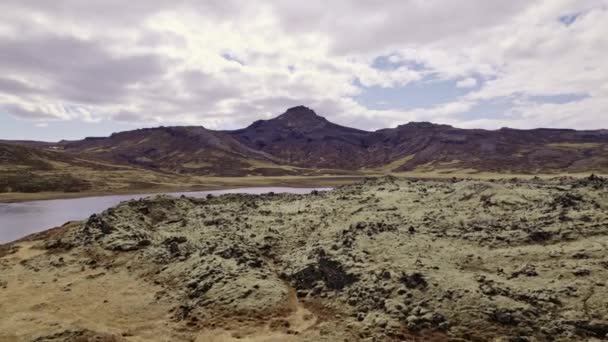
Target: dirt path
point(289, 327)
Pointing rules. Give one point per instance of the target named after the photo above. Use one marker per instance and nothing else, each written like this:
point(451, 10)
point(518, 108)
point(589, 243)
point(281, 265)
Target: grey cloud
point(126, 116)
point(16, 87)
point(151, 39)
point(187, 94)
point(107, 80)
point(76, 70)
point(25, 113)
point(361, 26)
point(110, 14)
point(204, 86)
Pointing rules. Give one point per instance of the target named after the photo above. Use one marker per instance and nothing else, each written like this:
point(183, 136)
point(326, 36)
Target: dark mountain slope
point(504, 150)
point(301, 137)
point(176, 149)
point(299, 142)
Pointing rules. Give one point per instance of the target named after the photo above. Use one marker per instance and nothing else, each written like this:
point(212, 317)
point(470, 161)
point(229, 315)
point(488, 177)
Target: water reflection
point(21, 219)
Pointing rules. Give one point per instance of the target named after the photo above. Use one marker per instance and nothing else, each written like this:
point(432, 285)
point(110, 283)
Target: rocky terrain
point(387, 259)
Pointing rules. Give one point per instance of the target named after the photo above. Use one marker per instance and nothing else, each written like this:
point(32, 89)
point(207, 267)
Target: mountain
point(17, 163)
point(300, 137)
point(426, 146)
point(301, 142)
point(175, 149)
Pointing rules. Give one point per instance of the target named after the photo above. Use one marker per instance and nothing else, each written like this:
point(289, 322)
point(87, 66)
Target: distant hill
point(300, 137)
point(174, 149)
point(18, 162)
point(301, 142)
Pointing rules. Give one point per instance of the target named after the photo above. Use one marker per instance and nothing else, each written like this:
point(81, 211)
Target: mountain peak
point(300, 116)
point(423, 124)
point(300, 110)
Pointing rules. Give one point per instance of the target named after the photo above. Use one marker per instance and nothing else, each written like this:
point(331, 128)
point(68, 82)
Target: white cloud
point(468, 82)
point(225, 63)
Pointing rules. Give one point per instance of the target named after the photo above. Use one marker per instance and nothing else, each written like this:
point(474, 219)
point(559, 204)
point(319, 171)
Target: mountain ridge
point(300, 141)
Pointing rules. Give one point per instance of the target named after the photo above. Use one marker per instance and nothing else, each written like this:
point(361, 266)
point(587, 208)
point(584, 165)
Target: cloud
point(469, 82)
point(366, 26)
point(223, 64)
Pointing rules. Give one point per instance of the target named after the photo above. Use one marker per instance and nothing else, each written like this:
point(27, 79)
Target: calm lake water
point(20, 219)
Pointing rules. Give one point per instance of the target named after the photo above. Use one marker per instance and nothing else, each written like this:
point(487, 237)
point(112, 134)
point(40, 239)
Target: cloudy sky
point(72, 68)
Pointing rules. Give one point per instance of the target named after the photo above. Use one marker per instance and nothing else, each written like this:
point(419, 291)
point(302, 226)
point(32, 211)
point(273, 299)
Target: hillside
point(27, 169)
point(194, 150)
point(436, 147)
point(31, 170)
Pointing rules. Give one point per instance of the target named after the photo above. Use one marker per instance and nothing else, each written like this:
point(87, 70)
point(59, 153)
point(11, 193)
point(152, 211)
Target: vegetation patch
point(29, 182)
point(575, 145)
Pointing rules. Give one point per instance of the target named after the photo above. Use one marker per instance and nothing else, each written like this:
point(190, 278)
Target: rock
point(581, 255)
point(326, 270)
point(58, 244)
point(173, 248)
point(393, 326)
point(539, 236)
point(96, 222)
point(595, 328)
point(412, 319)
point(381, 322)
point(503, 316)
point(427, 317)
point(414, 281)
point(526, 270)
point(567, 200)
point(581, 272)
point(79, 335)
point(175, 239)
point(128, 246)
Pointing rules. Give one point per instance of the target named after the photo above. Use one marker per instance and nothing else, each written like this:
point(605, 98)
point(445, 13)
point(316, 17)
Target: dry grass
point(121, 304)
point(575, 145)
point(393, 165)
point(196, 165)
point(138, 181)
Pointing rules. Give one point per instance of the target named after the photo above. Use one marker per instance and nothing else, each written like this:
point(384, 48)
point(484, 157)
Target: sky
point(72, 68)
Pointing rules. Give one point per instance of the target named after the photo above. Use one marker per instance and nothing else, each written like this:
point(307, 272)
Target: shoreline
point(220, 184)
point(225, 183)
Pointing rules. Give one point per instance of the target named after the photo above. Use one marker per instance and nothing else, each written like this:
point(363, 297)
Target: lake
point(20, 219)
